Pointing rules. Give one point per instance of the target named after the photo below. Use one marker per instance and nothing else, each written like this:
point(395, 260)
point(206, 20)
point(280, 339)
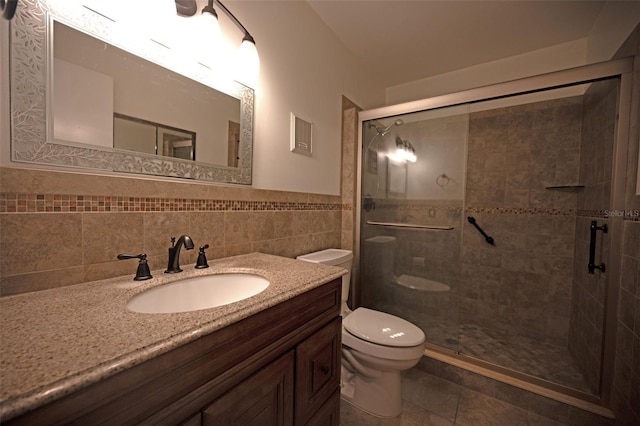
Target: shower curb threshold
point(457, 361)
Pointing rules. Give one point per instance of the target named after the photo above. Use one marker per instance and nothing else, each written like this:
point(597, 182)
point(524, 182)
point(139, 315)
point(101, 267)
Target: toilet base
point(380, 396)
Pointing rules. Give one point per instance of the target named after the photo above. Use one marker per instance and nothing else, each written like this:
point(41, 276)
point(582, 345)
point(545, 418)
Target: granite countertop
point(57, 341)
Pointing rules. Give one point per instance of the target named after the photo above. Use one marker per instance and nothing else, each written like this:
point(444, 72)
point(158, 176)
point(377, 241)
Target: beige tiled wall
point(589, 290)
point(431, 254)
point(349, 170)
point(522, 285)
point(626, 384)
point(61, 228)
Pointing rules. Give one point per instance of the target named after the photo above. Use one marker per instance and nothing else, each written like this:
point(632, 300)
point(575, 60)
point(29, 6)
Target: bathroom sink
point(193, 294)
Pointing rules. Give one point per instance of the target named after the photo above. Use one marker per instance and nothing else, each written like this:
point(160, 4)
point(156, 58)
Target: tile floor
point(429, 400)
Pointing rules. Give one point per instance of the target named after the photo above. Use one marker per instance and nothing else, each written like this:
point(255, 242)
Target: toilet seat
point(382, 329)
point(363, 328)
point(394, 353)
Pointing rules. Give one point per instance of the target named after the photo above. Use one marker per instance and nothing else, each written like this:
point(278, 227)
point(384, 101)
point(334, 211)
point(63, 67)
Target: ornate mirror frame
point(29, 76)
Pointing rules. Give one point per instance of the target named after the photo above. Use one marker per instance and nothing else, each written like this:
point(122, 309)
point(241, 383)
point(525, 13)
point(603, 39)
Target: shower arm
point(382, 131)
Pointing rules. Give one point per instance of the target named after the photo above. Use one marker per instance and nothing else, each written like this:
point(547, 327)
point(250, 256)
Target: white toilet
point(376, 347)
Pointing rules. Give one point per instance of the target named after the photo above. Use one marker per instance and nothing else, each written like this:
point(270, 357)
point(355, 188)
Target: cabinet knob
point(324, 369)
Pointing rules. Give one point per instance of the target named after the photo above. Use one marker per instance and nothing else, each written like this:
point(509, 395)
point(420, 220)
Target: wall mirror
point(396, 179)
point(86, 92)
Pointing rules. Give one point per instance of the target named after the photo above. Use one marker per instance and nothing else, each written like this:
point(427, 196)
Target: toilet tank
point(335, 257)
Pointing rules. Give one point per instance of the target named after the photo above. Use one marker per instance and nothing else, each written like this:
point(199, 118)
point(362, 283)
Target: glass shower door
point(411, 220)
point(484, 240)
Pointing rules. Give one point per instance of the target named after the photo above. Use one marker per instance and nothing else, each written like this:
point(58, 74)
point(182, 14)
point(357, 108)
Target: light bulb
point(210, 37)
point(248, 62)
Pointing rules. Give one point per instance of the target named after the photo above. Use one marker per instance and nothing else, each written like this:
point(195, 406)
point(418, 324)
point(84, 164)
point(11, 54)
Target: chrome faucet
point(174, 253)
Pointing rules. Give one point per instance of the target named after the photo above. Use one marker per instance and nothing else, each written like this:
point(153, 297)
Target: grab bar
point(410, 225)
point(488, 239)
point(592, 246)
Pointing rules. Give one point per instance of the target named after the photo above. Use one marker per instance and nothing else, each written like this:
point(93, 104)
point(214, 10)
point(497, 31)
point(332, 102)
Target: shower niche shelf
point(565, 187)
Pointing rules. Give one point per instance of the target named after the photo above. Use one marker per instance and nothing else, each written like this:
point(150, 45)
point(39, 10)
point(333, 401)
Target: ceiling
point(402, 41)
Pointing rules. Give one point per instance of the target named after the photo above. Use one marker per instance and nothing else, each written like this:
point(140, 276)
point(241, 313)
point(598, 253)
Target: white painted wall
point(555, 58)
point(614, 24)
point(83, 105)
point(304, 69)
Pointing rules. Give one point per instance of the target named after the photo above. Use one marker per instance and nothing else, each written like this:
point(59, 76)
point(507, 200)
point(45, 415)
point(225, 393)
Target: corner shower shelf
point(410, 226)
point(565, 187)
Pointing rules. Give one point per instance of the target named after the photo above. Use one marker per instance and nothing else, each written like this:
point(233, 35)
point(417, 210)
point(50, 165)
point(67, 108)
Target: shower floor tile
point(529, 356)
point(523, 354)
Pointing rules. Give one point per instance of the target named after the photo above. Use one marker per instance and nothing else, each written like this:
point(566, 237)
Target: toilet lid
point(383, 329)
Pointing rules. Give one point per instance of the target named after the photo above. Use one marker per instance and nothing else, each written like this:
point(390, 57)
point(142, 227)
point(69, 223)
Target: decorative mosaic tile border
point(628, 215)
point(48, 203)
point(600, 214)
point(520, 211)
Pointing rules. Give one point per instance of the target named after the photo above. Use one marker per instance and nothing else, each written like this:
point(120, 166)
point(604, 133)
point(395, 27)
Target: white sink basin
point(193, 294)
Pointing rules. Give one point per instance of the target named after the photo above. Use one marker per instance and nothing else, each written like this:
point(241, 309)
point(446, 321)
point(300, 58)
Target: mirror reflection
point(107, 97)
point(134, 134)
point(223, 152)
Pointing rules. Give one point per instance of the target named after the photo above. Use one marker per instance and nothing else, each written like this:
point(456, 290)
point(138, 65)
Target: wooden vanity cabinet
point(266, 398)
point(280, 366)
point(317, 371)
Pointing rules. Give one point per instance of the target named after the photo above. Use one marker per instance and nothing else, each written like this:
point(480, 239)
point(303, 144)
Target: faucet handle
point(143, 272)
point(201, 263)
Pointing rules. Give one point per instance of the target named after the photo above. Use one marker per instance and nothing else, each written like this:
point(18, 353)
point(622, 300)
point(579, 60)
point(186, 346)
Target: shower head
point(381, 131)
point(398, 122)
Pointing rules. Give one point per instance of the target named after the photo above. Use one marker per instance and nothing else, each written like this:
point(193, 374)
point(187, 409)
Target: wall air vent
point(301, 131)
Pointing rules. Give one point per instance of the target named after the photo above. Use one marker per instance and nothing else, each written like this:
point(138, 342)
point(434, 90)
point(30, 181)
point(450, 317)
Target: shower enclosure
point(487, 219)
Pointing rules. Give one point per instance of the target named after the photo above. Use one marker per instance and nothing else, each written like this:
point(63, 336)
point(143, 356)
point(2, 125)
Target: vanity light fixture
point(8, 8)
point(248, 59)
point(404, 152)
point(210, 30)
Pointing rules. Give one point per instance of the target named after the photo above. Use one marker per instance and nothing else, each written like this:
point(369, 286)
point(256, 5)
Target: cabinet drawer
point(317, 370)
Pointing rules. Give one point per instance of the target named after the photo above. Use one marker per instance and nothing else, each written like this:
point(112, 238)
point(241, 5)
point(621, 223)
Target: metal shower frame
point(622, 69)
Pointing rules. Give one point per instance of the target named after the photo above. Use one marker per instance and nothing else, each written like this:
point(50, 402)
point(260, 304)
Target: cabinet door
point(317, 370)
point(328, 414)
point(264, 399)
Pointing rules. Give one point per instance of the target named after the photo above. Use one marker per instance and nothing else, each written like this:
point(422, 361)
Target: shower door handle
point(592, 246)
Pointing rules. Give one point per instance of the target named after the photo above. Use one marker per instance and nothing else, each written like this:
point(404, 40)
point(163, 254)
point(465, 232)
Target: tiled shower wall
point(589, 290)
point(431, 254)
point(521, 286)
point(625, 399)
